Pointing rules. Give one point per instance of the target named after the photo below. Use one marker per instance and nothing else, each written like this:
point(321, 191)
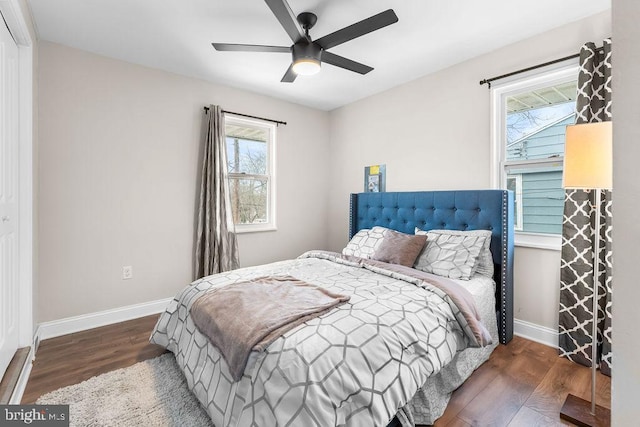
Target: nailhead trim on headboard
point(503, 284)
point(353, 207)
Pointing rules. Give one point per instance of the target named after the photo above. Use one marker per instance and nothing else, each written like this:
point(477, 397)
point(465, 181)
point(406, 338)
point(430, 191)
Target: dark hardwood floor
point(73, 358)
point(523, 383)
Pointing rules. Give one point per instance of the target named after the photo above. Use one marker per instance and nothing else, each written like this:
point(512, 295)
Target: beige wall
point(626, 204)
point(119, 156)
point(537, 283)
point(119, 148)
point(433, 133)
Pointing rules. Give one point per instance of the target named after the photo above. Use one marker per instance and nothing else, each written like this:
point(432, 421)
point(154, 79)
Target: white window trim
point(498, 93)
point(518, 198)
point(271, 225)
point(551, 242)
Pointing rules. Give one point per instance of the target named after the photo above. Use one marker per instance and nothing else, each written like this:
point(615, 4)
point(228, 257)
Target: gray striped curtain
point(576, 270)
point(216, 245)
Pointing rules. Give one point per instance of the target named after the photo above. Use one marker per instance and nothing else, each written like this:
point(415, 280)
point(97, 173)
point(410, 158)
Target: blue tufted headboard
point(452, 210)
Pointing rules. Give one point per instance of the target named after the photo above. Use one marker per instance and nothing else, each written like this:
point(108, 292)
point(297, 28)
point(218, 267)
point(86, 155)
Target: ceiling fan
point(307, 54)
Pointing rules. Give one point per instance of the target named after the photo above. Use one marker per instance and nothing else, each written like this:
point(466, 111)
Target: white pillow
point(456, 254)
point(365, 242)
point(484, 264)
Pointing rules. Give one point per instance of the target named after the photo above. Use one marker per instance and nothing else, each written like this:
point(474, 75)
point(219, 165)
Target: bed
point(391, 355)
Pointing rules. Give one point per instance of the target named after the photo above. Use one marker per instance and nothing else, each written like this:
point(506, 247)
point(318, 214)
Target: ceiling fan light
point(306, 66)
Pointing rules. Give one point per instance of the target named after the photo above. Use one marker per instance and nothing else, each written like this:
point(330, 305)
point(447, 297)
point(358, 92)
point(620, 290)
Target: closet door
point(9, 295)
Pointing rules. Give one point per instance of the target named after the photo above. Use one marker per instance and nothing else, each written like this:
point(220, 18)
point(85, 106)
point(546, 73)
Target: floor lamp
point(588, 165)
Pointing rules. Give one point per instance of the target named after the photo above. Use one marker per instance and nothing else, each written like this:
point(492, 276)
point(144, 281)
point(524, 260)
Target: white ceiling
point(176, 35)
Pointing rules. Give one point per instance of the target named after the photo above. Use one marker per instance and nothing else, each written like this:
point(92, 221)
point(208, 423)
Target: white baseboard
point(83, 322)
point(537, 333)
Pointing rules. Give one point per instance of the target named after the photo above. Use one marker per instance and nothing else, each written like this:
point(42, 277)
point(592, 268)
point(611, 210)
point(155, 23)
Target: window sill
point(551, 242)
point(244, 229)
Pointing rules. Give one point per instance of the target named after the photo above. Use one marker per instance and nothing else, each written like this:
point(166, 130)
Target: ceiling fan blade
point(250, 48)
point(283, 12)
point(289, 76)
point(358, 29)
point(342, 62)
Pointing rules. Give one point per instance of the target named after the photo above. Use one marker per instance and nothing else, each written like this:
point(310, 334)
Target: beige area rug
point(149, 393)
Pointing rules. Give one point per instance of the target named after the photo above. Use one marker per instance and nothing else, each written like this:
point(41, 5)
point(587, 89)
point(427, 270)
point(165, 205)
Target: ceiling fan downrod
point(307, 20)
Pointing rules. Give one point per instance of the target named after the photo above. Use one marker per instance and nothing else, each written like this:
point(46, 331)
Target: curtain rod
point(524, 70)
point(277, 122)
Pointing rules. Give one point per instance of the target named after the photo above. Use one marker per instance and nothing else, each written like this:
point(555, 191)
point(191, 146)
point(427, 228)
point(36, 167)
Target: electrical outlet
point(127, 272)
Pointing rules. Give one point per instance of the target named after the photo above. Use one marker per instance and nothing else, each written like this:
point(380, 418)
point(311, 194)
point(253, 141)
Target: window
point(530, 117)
point(250, 157)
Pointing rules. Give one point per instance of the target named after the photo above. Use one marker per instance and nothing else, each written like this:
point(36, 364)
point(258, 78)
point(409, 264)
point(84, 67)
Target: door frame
point(15, 18)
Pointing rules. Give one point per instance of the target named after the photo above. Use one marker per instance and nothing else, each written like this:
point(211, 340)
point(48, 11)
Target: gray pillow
point(400, 248)
point(484, 264)
point(365, 242)
point(451, 253)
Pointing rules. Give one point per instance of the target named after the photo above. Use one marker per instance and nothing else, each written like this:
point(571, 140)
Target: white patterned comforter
point(357, 365)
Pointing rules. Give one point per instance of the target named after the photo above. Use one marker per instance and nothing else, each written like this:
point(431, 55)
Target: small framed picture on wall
point(374, 178)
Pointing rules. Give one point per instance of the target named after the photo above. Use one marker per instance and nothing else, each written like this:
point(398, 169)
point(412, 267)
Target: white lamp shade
point(588, 156)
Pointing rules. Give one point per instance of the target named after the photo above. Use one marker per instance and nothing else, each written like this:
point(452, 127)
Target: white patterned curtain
point(216, 246)
point(593, 104)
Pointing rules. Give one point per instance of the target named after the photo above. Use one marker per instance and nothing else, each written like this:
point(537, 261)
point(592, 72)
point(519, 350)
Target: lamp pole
point(596, 285)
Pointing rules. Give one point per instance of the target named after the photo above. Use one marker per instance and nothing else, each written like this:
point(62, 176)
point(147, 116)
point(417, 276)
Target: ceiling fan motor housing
point(305, 50)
